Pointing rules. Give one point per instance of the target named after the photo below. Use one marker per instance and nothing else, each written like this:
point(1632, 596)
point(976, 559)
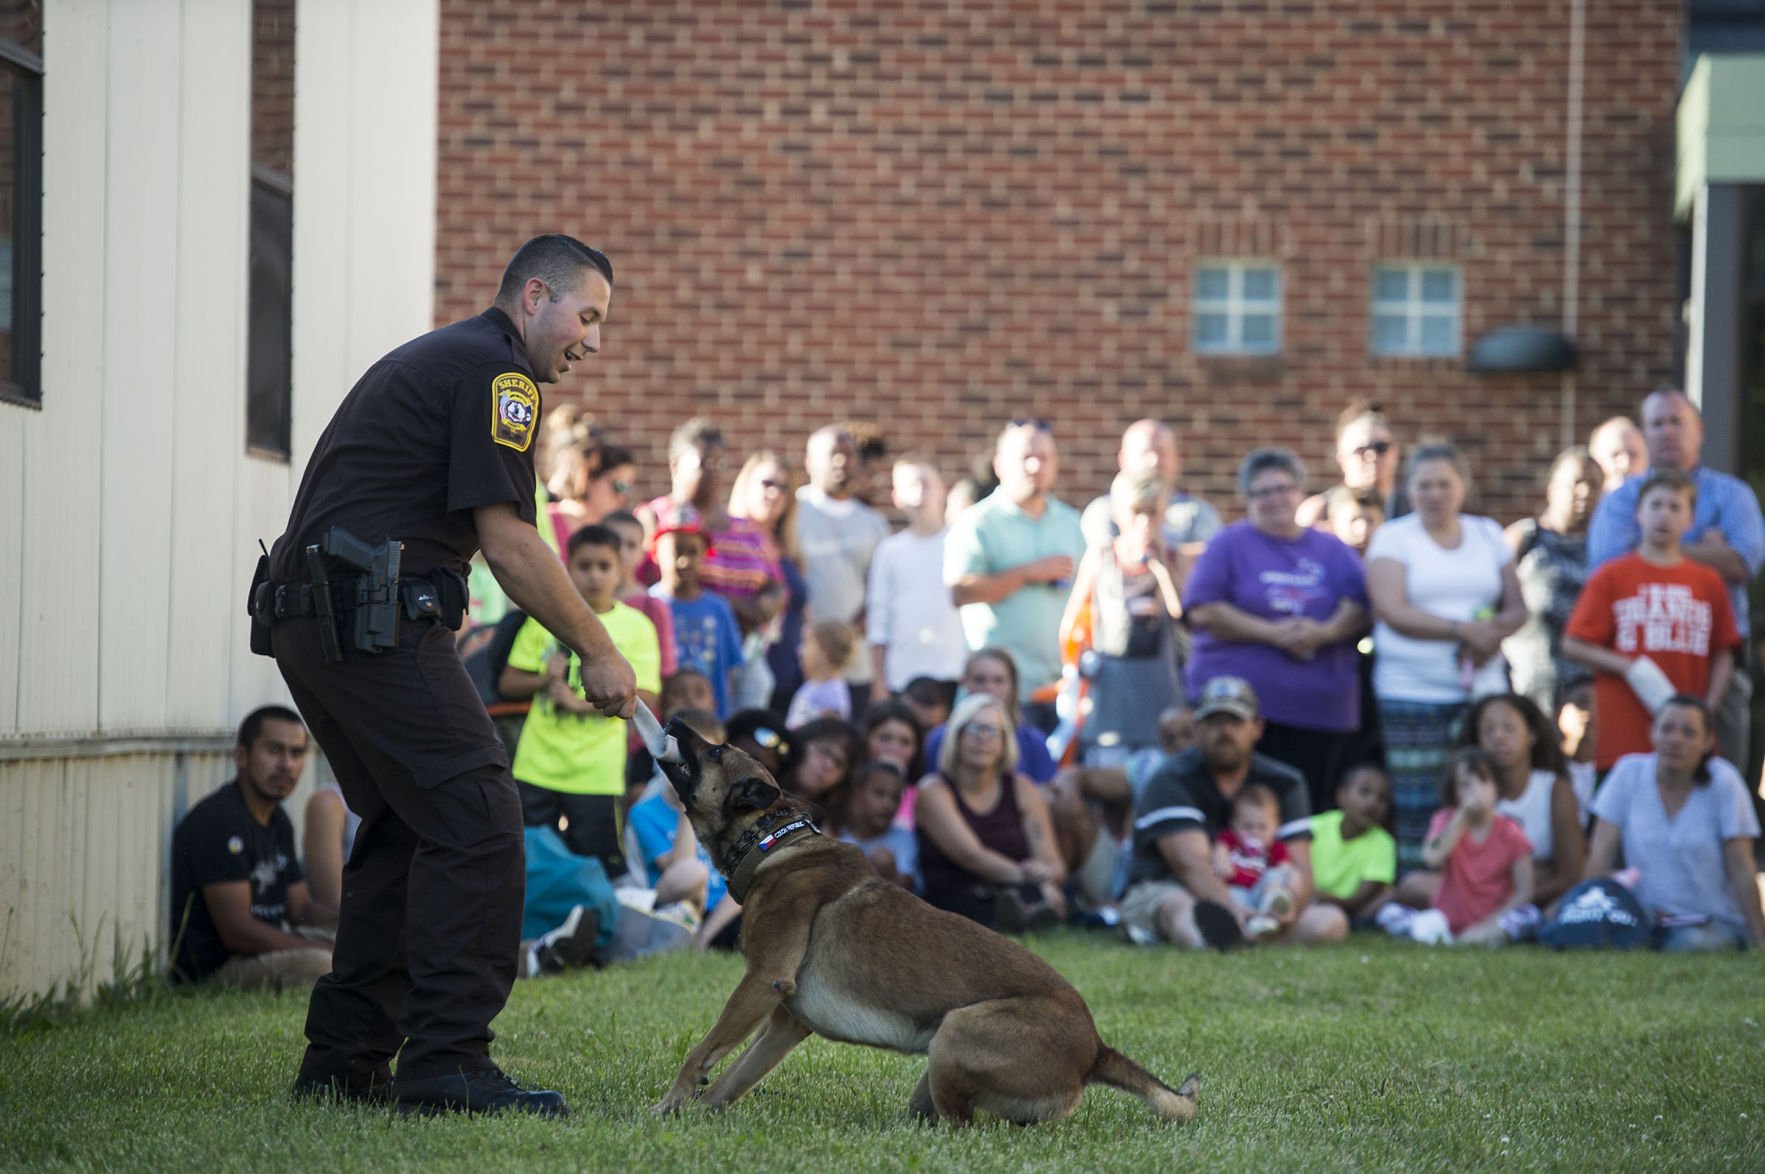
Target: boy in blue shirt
point(706, 636)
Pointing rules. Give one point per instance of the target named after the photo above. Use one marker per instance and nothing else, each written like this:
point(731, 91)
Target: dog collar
point(766, 834)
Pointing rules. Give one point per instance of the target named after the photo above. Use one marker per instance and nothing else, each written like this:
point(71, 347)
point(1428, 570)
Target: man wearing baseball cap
point(1174, 894)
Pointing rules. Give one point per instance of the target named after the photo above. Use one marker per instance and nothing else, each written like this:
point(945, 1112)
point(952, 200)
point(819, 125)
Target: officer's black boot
point(318, 1081)
point(484, 1091)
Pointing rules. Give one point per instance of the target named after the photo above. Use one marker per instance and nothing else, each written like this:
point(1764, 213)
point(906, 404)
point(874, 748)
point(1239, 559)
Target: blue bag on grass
point(558, 880)
point(1598, 914)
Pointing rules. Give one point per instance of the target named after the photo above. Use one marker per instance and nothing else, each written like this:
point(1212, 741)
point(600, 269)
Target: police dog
point(834, 949)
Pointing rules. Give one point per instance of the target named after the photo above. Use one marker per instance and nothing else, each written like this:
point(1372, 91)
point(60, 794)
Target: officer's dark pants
point(431, 918)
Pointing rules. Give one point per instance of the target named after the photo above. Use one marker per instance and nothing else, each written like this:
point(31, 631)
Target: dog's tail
point(1117, 1071)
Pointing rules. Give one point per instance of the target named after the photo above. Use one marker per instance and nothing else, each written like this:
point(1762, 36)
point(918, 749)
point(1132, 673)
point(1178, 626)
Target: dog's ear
point(752, 794)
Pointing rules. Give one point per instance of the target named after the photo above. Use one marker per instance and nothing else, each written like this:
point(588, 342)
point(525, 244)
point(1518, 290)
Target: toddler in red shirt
point(1253, 863)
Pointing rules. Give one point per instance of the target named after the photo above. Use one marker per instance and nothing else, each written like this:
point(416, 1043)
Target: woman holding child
point(1444, 596)
point(1532, 788)
point(1550, 560)
point(986, 842)
point(1282, 606)
point(1128, 589)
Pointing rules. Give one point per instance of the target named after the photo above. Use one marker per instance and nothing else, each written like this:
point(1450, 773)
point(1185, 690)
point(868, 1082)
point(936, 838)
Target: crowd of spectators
point(1368, 706)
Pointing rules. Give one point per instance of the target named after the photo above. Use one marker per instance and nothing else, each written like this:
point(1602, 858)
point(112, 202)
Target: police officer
point(433, 448)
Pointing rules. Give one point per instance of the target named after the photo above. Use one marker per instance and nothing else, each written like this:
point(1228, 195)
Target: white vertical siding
point(58, 654)
point(86, 876)
point(128, 497)
point(364, 194)
point(12, 490)
point(210, 295)
point(140, 328)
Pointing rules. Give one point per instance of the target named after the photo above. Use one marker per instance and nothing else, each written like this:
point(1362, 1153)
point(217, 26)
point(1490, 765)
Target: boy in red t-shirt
point(1651, 624)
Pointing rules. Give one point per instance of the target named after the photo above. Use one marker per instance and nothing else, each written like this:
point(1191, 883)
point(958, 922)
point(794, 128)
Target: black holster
point(260, 623)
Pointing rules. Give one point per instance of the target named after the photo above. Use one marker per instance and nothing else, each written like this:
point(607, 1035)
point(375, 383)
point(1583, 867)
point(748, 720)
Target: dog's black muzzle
point(694, 750)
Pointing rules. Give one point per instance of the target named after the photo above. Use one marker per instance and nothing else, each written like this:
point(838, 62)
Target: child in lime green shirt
point(570, 761)
point(1353, 857)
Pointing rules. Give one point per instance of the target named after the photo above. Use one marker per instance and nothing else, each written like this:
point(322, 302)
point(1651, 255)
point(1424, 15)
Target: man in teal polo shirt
point(1009, 560)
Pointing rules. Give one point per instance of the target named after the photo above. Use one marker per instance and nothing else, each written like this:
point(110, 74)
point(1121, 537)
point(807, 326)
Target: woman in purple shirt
point(1282, 606)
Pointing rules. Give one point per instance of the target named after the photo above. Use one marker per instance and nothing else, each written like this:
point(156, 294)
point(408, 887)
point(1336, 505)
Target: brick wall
point(941, 214)
point(272, 86)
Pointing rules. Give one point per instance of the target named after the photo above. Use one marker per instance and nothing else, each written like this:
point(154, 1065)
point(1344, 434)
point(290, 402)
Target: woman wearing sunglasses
point(590, 478)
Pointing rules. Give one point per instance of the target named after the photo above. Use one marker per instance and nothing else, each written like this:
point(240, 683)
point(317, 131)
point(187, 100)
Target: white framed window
point(1417, 310)
point(1237, 308)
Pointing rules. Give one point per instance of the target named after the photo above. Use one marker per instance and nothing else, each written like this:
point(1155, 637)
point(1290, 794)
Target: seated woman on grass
point(1687, 828)
point(986, 844)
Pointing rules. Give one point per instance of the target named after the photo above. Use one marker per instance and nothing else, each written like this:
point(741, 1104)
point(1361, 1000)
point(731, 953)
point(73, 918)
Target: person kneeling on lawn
point(241, 912)
point(1174, 894)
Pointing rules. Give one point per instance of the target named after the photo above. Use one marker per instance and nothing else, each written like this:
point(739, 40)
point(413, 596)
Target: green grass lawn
point(1372, 1054)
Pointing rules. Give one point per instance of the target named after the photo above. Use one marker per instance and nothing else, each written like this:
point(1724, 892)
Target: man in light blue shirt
point(1009, 559)
point(1727, 534)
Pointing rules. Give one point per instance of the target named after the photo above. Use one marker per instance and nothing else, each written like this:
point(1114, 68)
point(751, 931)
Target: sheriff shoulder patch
point(514, 408)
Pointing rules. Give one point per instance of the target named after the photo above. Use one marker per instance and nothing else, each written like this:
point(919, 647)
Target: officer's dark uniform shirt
point(440, 426)
point(219, 841)
point(1181, 794)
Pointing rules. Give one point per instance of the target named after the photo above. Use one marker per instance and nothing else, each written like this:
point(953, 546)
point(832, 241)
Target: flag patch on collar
point(514, 408)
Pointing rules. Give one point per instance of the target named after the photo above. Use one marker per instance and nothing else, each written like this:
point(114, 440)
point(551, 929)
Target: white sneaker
point(1260, 925)
point(1430, 928)
point(1394, 919)
point(1277, 903)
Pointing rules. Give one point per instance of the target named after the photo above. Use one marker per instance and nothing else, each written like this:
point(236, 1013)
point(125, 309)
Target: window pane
point(1259, 331)
point(1210, 283)
point(1210, 330)
point(9, 112)
point(270, 341)
point(1259, 284)
point(1390, 334)
point(1439, 285)
point(1391, 285)
point(1439, 336)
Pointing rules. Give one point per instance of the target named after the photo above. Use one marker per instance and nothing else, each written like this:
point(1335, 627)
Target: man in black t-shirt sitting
point(1174, 893)
point(240, 903)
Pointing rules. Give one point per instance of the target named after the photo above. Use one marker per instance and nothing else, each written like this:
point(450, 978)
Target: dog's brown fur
point(832, 949)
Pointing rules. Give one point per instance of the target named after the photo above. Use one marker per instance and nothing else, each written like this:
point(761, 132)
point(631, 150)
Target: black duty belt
point(293, 601)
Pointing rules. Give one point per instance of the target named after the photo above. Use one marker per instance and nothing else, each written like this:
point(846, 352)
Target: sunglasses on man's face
point(1378, 448)
point(1036, 422)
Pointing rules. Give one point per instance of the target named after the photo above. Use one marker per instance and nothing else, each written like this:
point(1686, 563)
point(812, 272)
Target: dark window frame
point(269, 371)
point(22, 384)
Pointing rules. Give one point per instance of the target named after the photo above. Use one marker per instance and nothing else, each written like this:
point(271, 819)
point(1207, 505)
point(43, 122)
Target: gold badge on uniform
point(514, 408)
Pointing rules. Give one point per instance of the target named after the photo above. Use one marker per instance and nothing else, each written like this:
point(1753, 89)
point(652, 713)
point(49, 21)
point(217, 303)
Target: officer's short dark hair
point(253, 725)
point(593, 534)
point(555, 259)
